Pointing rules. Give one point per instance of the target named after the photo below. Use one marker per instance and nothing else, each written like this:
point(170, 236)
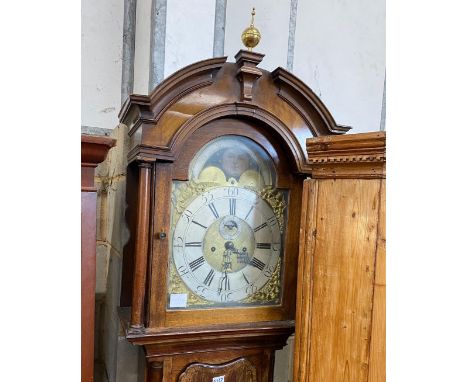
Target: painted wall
point(337, 47)
point(340, 53)
point(101, 62)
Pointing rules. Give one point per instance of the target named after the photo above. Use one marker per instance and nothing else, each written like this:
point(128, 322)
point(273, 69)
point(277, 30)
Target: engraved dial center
point(229, 244)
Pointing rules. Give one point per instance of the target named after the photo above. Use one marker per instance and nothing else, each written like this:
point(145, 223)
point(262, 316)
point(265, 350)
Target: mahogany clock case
point(164, 173)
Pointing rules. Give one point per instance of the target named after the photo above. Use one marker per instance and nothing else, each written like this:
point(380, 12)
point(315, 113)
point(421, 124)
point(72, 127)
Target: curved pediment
point(207, 90)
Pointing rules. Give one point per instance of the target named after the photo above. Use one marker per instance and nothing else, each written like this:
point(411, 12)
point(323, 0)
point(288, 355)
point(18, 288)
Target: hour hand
point(224, 283)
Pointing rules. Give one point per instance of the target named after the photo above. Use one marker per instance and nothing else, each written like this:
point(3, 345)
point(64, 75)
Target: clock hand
point(227, 266)
point(227, 262)
point(224, 282)
point(242, 256)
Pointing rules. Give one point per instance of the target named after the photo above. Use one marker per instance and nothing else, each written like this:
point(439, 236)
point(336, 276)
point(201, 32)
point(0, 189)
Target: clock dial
point(227, 226)
point(226, 244)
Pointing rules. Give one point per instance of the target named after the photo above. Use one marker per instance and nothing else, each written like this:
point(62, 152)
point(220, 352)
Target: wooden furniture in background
point(340, 312)
point(93, 151)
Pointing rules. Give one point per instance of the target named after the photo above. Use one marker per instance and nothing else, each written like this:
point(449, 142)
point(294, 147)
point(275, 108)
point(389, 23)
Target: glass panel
point(233, 160)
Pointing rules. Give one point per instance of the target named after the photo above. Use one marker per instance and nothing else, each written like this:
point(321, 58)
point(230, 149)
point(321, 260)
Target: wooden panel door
point(340, 320)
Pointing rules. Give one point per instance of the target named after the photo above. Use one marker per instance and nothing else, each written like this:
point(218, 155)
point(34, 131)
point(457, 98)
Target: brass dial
point(226, 244)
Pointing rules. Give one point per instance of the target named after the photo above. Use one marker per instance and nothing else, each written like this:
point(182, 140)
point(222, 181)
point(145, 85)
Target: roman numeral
point(197, 223)
point(260, 227)
point(245, 278)
point(224, 283)
point(248, 213)
point(193, 244)
point(264, 245)
point(213, 210)
point(232, 206)
point(209, 278)
point(257, 263)
point(195, 264)
point(272, 220)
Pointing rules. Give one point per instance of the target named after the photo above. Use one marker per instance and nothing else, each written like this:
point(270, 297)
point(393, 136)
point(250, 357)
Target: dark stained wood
point(165, 173)
point(341, 253)
point(154, 372)
point(173, 368)
point(160, 247)
point(131, 216)
point(248, 72)
point(210, 90)
point(141, 246)
point(183, 81)
point(93, 151)
point(238, 370)
point(88, 283)
point(306, 103)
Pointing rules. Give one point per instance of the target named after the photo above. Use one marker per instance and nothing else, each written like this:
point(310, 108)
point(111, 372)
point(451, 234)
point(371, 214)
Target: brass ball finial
point(251, 36)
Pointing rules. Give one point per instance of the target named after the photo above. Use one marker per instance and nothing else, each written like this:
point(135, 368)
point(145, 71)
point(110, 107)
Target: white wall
point(142, 47)
point(101, 62)
point(340, 53)
point(189, 33)
point(271, 21)
point(339, 50)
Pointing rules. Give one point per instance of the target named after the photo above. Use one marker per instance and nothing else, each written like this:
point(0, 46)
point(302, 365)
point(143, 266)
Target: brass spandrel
point(271, 292)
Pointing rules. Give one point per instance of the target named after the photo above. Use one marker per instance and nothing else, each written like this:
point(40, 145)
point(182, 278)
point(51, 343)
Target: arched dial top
point(227, 226)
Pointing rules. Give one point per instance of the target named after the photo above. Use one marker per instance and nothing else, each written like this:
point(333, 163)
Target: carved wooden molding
point(155, 120)
point(170, 152)
point(348, 156)
point(94, 150)
point(238, 370)
point(161, 342)
point(138, 109)
point(306, 103)
point(248, 72)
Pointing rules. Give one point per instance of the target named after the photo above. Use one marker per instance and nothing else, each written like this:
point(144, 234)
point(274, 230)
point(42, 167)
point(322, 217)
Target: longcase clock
point(214, 191)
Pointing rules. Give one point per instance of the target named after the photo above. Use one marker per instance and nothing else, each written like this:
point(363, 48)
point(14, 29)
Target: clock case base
point(201, 353)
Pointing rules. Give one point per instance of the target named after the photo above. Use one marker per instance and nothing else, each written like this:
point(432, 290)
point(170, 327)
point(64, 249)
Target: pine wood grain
point(343, 279)
point(341, 238)
point(340, 311)
point(377, 350)
point(304, 279)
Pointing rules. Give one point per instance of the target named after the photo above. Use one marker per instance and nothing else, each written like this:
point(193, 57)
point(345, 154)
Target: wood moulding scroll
point(238, 109)
point(237, 370)
point(94, 150)
point(248, 72)
point(348, 156)
point(297, 94)
point(141, 108)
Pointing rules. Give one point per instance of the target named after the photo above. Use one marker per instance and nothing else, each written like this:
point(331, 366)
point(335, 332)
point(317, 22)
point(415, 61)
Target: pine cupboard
point(340, 310)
